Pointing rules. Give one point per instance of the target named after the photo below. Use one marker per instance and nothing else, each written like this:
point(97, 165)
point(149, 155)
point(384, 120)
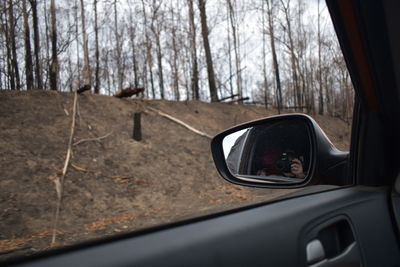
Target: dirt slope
point(117, 184)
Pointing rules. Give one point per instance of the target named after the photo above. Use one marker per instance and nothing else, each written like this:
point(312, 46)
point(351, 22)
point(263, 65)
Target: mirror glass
point(273, 152)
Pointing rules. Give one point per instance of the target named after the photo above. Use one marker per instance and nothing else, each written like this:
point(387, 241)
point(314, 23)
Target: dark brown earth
point(114, 185)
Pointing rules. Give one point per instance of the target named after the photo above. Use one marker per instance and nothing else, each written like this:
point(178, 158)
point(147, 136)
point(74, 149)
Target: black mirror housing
point(292, 135)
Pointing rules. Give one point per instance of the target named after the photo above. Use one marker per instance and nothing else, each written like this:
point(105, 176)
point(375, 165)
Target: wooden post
point(137, 128)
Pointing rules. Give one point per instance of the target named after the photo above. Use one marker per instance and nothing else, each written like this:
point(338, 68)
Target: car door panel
point(265, 235)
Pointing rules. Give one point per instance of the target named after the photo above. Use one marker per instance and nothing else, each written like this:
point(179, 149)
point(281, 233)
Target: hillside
point(115, 184)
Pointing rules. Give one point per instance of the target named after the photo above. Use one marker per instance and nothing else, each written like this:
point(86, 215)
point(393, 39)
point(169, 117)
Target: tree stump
point(137, 127)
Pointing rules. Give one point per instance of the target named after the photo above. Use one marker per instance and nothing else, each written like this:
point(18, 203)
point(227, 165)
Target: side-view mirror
point(285, 151)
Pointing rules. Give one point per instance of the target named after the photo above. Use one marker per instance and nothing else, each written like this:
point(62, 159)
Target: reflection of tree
point(234, 157)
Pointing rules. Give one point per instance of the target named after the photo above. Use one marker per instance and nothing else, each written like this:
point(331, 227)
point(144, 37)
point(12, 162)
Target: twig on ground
point(92, 139)
point(60, 180)
point(180, 122)
point(79, 168)
point(122, 177)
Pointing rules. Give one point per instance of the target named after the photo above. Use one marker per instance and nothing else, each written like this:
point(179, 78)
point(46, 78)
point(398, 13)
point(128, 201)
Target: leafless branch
point(60, 180)
point(180, 122)
point(92, 139)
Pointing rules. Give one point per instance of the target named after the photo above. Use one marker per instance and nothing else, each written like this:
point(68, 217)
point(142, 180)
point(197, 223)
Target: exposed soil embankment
point(114, 184)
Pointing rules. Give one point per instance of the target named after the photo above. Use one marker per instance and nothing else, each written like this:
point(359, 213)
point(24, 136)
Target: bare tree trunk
point(134, 61)
point(311, 82)
point(78, 59)
point(151, 75)
point(193, 43)
point(207, 49)
point(14, 59)
point(160, 67)
point(187, 74)
point(274, 56)
point(54, 68)
point(3, 40)
point(118, 47)
point(236, 45)
point(133, 45)
point(96, 34)
point(47, 48)
point(296, 89)
point(36, 38)
point(328, 99)
point(321, 102)
point(264, 55)
point(229, 51)
point(156, 29)
point(174, 63)
point(87, 74)
point(2, 69)
point(301, 62)
point(149, 57)
point(10, 70)
point(69, 83)
point(28, 54)
point(106, 72)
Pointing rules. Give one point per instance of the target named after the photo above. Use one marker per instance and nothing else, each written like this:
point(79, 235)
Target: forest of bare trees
point(279, 53)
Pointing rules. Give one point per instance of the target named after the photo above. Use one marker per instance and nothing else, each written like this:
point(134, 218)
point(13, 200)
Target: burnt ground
point(114, 185)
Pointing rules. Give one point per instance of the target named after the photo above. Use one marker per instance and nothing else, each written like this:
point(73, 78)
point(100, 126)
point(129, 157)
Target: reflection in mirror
point(277, 152)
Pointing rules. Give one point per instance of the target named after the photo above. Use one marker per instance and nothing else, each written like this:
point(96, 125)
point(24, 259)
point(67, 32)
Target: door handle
point(333, 245)
point(316, 257)
point(315, 252)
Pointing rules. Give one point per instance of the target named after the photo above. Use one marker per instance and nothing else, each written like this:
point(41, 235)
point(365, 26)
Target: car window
point(108, 108)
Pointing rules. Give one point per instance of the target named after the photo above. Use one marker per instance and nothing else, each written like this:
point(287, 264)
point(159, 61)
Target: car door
point(320, 225)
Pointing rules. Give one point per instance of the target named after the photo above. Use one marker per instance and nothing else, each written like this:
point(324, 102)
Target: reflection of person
point(296, 169)
point(276, 149)
point(281, 164)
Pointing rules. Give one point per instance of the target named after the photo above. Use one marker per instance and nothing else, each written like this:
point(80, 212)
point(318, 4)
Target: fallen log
point(228, 97)
point(180, 122)
point(84, 88)
point(238, 100)
point(128, 92)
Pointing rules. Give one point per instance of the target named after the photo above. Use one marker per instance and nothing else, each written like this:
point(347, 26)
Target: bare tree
point(14, 59)
point(36, 38)
point(54, 67)
point(291, 46)
point(193, 54)
point(175, 53)
point(87, 74)
point(77, 43)
point(210, 68)
point(28, 54)
point(264, 55)
point(321, 98)
point(145, 44)
point(236, 46)
point(97, 53)
point(149, 56)
point(8, 58)
point(156, 28)
point(132, 33)
point(271, 31)
point(118, 48)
